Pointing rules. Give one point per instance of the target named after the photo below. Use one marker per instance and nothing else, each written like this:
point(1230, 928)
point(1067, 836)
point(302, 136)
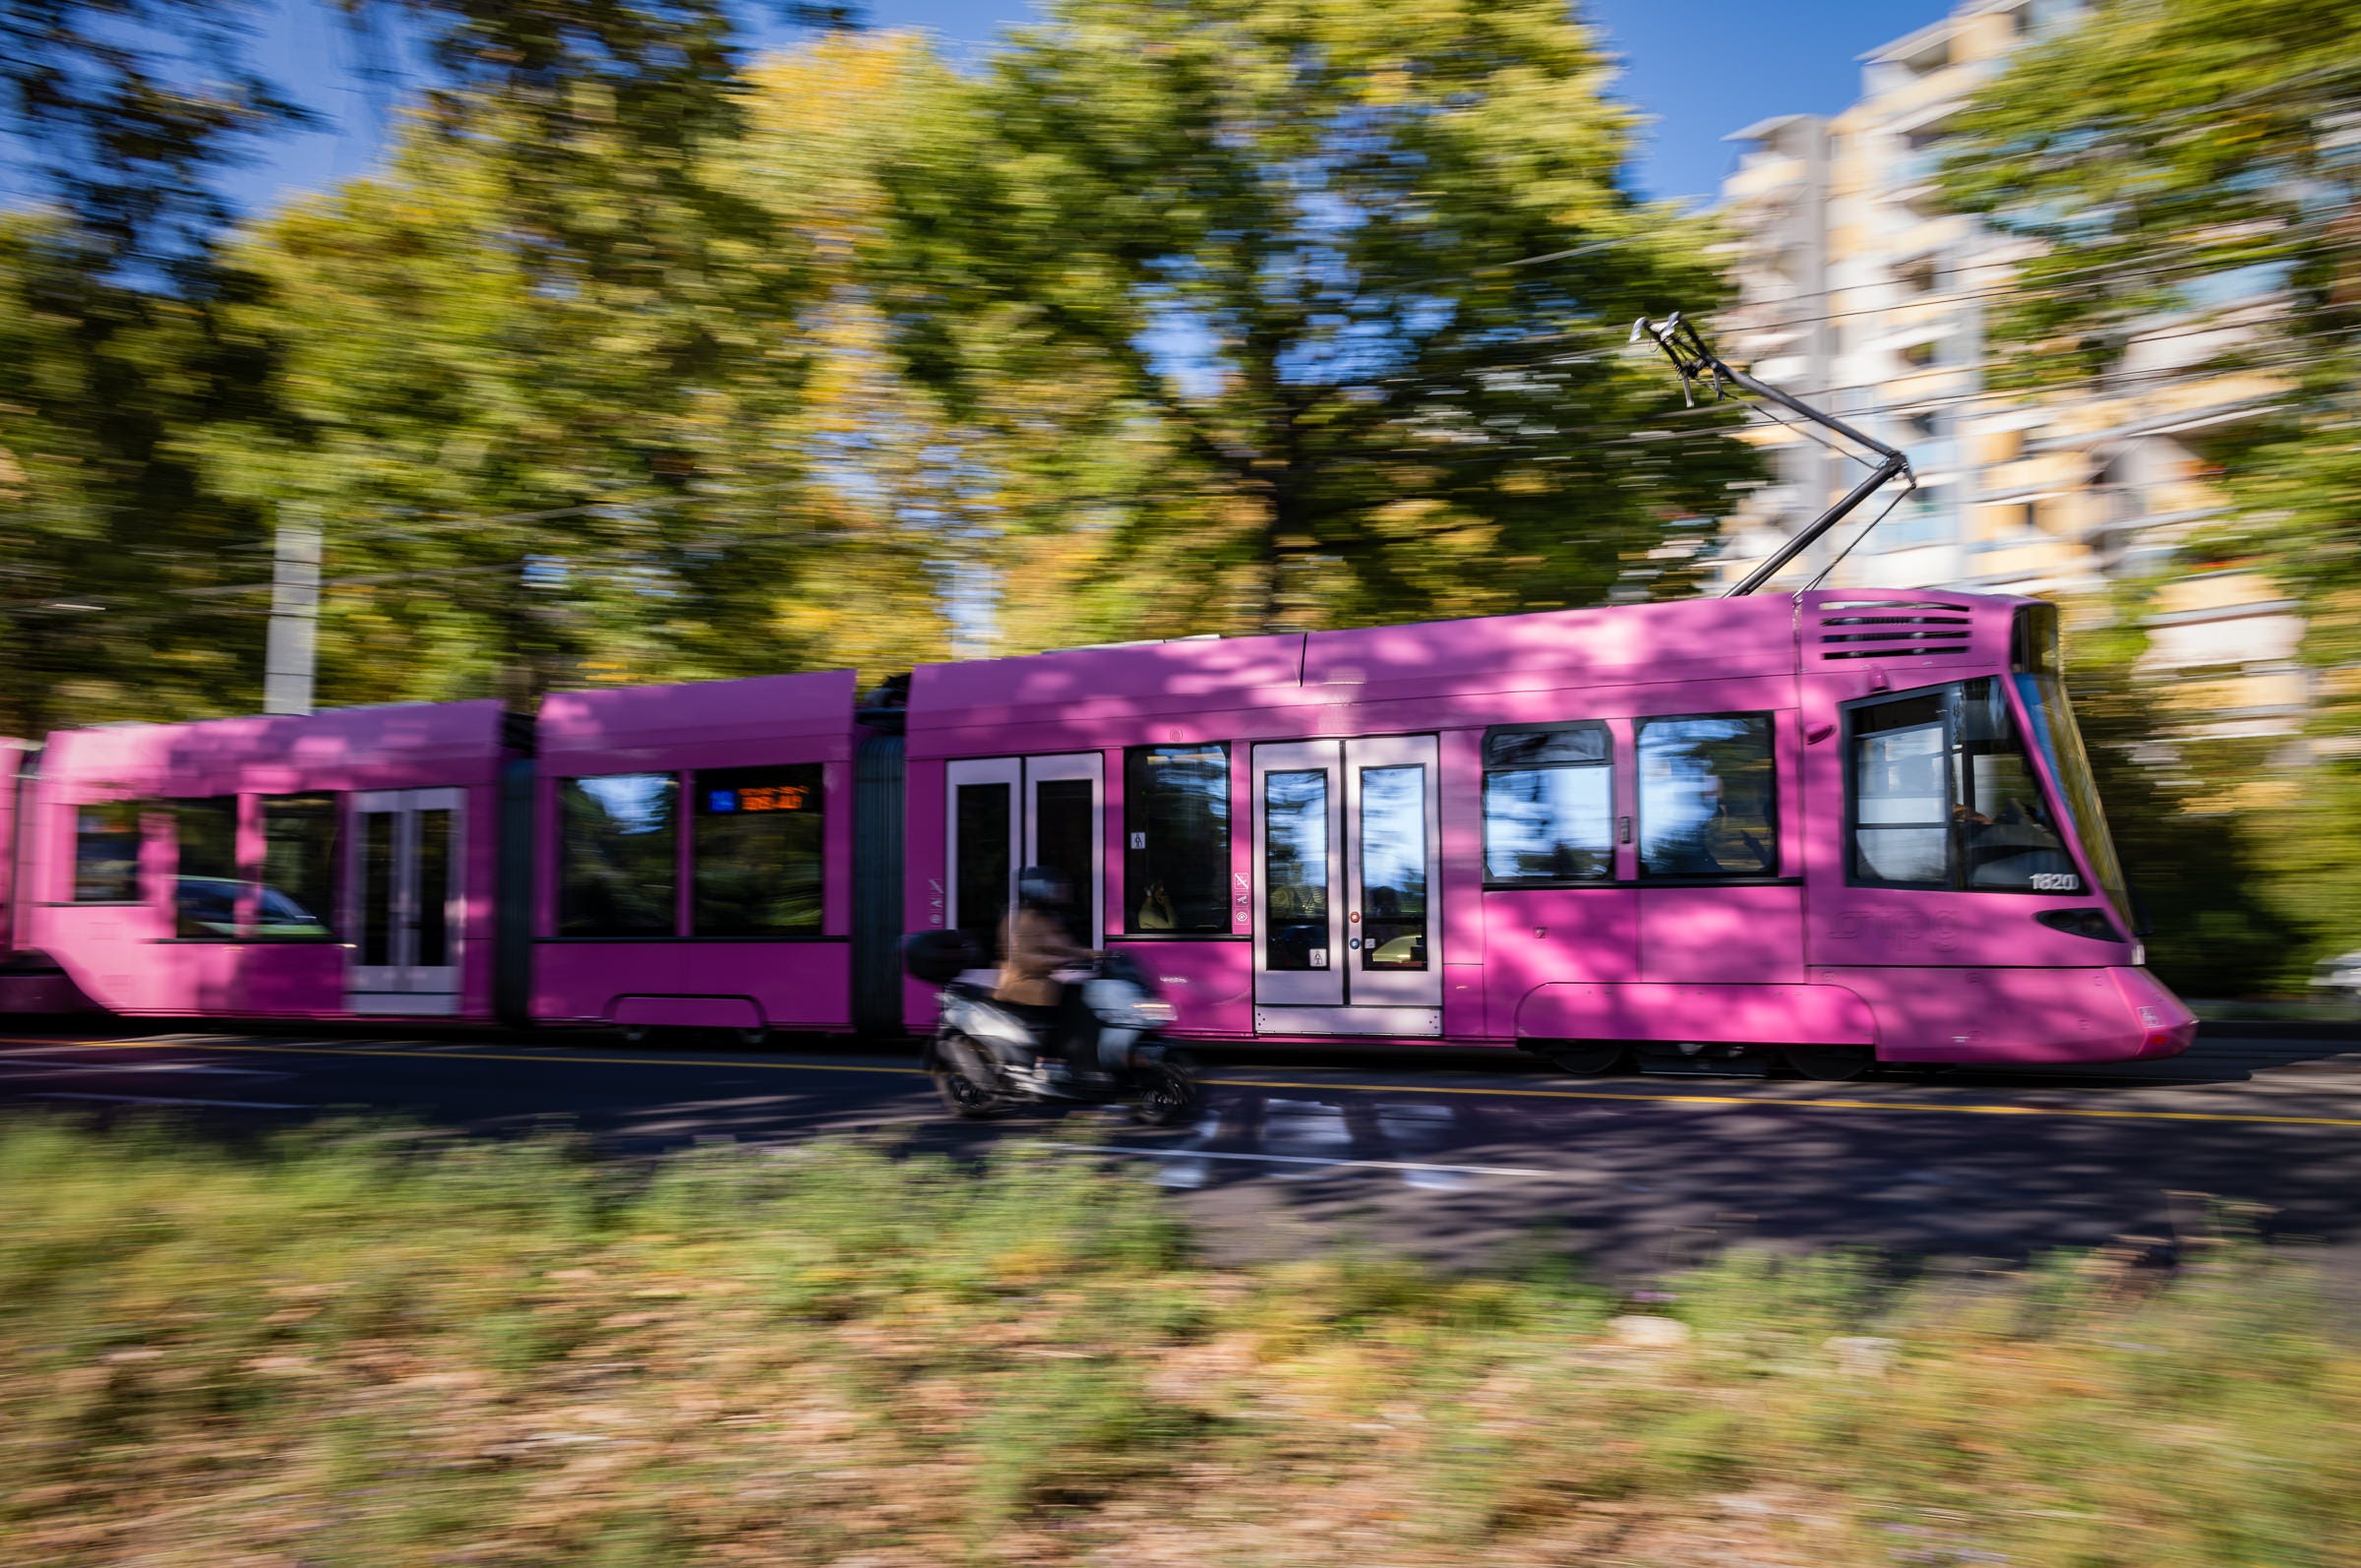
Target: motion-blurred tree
point(2154, 152)
point(562, 303)
point(563, 461)
point(1348, 287)
point(121, 112)
point(2195, 860)
point(112, 551)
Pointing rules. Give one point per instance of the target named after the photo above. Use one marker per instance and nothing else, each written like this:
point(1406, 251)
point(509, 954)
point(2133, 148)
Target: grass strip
point(370, 1346)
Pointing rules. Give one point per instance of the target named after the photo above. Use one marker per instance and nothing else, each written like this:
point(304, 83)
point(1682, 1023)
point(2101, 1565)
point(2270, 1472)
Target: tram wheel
point(637, 1034)
point(754, 1038)
point(1831, 1065)
point(1584, 1058)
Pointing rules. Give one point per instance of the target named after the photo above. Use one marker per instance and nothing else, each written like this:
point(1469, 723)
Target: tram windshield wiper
point(1699, 367)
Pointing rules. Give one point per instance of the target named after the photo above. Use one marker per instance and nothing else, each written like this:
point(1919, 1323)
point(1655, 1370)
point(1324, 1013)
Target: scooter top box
point(938, 957)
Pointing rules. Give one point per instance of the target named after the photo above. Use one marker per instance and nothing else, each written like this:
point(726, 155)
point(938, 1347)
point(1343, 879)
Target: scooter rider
point(1035, 944)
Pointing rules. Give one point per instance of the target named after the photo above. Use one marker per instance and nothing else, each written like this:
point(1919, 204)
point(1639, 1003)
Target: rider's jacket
point(1036, 945)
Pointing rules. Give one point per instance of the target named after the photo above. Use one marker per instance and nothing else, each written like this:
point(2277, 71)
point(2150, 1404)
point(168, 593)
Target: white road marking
point(1304, 1158)
point(167, 1100)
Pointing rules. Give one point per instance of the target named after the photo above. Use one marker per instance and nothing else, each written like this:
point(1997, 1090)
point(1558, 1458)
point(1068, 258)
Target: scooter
point(986, 1059)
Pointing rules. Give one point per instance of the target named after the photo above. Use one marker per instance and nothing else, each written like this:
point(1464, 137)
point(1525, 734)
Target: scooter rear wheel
point(963, 1092)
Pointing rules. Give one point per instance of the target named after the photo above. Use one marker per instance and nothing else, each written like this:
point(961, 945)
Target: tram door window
point(981, 861)
point(1065, 800)
point(1346, 838)
point(1007, 812)
point(407, 872)
point(1062, 834)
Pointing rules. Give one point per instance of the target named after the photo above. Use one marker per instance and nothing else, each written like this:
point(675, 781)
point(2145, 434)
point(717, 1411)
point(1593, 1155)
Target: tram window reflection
point(1063, 828)
point(1176, 839)
point(982, 871)
point(617, 855)
point(756, 848)
point(1393, 868)
point(1294, 857)
point(205, 886)
point(106, 852)
point(299, 868)
point(1548, 805)
point(1706, 796)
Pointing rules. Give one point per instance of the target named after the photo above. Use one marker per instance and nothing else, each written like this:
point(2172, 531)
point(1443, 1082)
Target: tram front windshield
point(2051, 718)
point(2042, 688)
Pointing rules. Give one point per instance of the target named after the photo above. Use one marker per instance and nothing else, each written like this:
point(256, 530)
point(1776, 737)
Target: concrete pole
point(291, 650)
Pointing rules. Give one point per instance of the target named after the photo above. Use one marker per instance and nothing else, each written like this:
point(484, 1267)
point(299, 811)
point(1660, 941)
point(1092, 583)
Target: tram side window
point(298, 901)
point(1548, 804)
point(758, 852)
point(617, 855)
point(205, 884)
point(1708, 797)
point(1945, 797)
point(106, 852)
point(1176, 839)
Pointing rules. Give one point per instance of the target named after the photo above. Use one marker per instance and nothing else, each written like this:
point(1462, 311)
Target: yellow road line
point(1806, 1104)
point(1757, 1101)
point(463, 1056)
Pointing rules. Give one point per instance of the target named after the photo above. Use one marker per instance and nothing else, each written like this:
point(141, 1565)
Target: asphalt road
point(1467, 1161)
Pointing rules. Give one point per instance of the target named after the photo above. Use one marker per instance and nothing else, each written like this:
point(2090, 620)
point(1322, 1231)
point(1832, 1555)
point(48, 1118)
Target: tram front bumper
point(2166, 1025)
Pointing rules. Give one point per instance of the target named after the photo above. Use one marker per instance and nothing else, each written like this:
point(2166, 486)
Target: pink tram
point(1847, 826)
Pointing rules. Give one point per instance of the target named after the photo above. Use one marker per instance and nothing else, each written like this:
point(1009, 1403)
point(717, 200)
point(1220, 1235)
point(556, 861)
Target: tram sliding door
point(1346, 939)
point(1007, 812)
point(404, 875)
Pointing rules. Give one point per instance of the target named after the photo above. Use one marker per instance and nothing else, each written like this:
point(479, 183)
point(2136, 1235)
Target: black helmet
point(1042, 884)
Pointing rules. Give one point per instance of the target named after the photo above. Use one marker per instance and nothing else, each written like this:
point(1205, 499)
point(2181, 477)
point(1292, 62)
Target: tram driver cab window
point(1945, 797)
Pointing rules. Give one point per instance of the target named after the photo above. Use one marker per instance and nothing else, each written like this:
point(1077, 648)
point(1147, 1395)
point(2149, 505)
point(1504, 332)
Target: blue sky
point(1701, 67)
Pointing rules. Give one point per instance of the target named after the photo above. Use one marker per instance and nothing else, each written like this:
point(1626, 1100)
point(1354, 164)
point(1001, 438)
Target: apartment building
point(1860, 290)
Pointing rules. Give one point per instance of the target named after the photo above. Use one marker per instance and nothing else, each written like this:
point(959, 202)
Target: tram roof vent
point(1887, 628)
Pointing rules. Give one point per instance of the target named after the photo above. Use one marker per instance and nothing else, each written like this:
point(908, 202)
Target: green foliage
point(113, 549)
point(632, 365)
point(2182, 167)
point(121, 110)
point(1342, 290)
point(2202, 861)
point(362, 1346)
